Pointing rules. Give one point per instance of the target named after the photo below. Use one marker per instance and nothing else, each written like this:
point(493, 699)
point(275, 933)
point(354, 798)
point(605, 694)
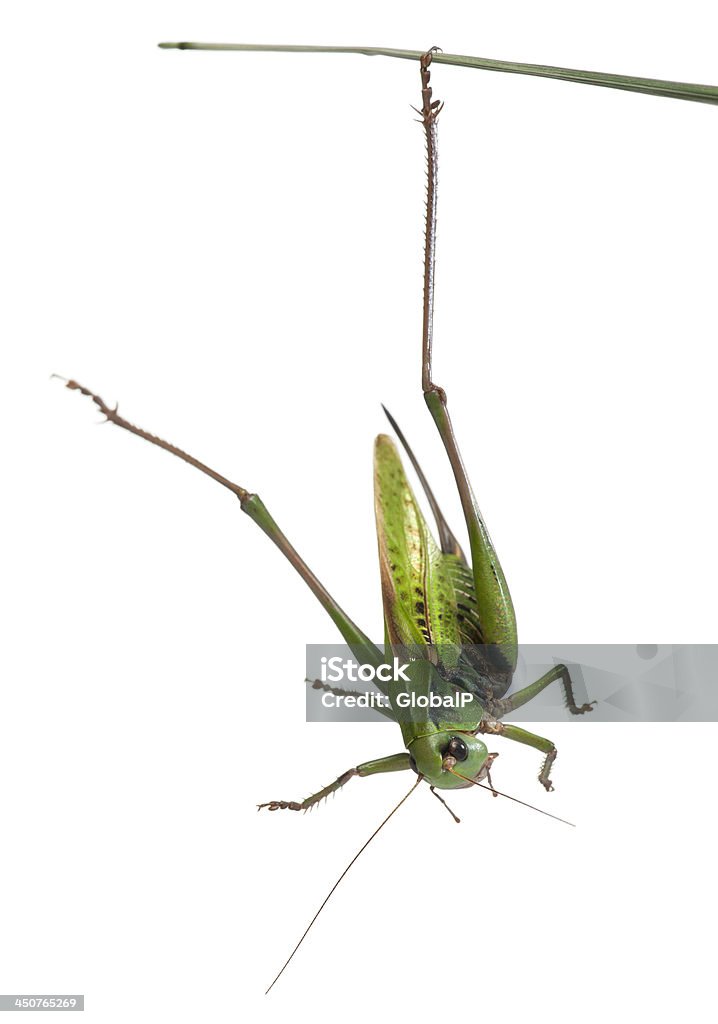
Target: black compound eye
point(458, 749)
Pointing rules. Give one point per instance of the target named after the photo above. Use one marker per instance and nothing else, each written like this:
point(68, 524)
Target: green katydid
point(456, 612)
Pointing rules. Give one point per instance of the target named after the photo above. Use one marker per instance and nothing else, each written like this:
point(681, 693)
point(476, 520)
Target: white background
point(230, 246)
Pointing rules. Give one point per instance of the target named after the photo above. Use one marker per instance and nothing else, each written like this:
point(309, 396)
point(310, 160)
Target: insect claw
point(583, 709)
point(281, 805)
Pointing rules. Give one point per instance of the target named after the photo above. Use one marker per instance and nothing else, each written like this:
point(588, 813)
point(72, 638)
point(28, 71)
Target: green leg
point(513, 732)
point(359, 642)
point(500, 708)
point(393, 763)
point(496, 612)
point(508, 704)
point(361, 646)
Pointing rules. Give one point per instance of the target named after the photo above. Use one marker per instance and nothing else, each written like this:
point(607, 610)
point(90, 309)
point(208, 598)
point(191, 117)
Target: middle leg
point(517, 700)
point(514, 732)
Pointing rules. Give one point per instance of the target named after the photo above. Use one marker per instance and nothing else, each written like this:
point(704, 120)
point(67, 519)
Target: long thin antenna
point(497, 792)
point(329, 895)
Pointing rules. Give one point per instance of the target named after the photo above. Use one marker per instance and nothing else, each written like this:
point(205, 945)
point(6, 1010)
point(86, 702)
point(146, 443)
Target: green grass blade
point(629, 83)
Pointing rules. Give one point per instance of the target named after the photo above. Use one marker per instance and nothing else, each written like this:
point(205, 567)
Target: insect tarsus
point(113, 416)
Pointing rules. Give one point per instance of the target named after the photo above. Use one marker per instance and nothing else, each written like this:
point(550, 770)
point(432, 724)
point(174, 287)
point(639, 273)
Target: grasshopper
point(452, 612)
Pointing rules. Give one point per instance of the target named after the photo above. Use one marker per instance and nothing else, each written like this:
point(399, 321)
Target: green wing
point(428, 596)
